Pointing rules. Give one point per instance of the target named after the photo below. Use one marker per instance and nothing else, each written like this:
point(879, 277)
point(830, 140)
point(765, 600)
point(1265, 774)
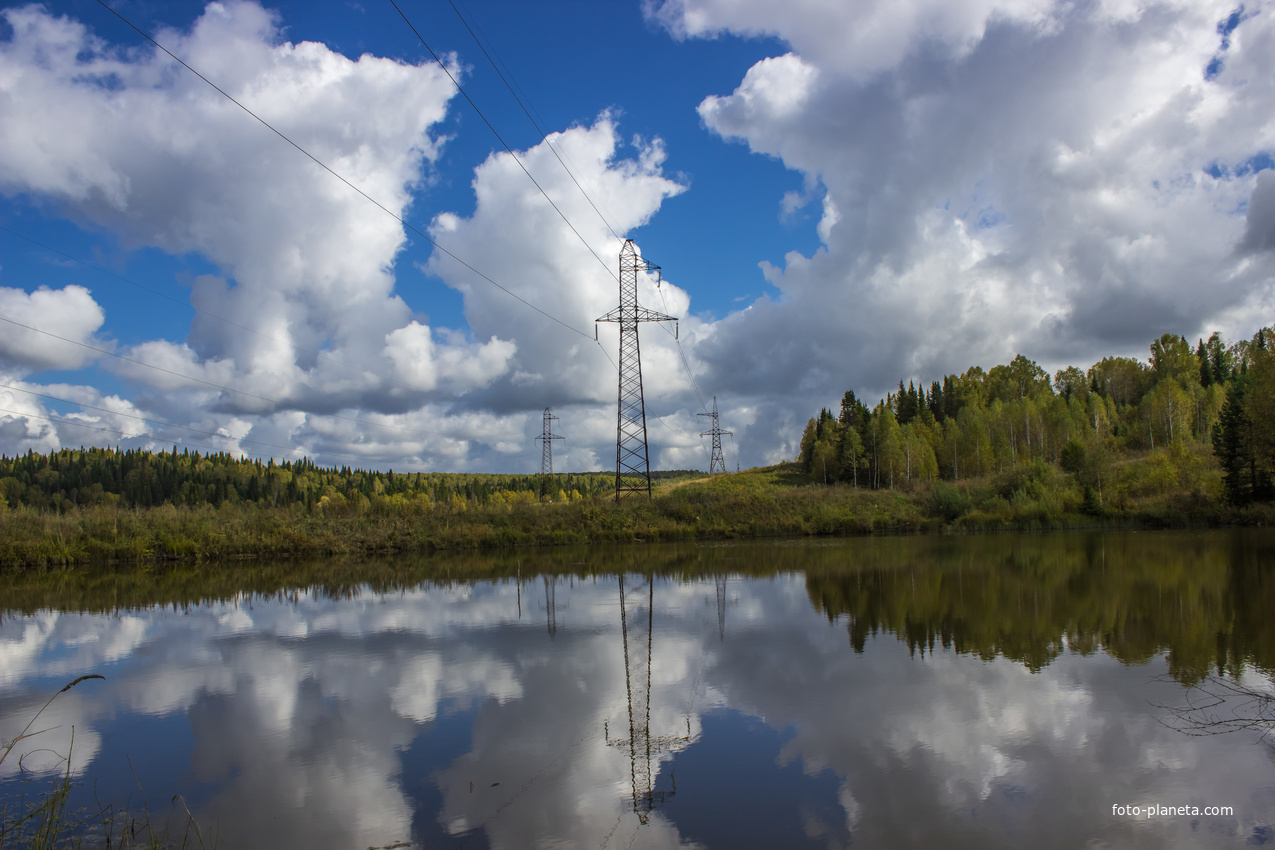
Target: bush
point(949, 501)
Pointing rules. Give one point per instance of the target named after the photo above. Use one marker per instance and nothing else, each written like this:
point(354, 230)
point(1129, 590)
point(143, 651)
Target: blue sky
point(839, 197)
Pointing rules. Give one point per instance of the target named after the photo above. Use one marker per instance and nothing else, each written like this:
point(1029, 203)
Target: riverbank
point(768, 502)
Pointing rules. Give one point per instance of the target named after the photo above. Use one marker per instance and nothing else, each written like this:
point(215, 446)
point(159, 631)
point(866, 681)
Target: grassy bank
point(774, 501)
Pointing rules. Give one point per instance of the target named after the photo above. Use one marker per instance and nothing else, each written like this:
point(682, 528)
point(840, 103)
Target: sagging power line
point(631, 448)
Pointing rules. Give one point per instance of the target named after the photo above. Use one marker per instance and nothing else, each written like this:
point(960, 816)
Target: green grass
point(1152, 491)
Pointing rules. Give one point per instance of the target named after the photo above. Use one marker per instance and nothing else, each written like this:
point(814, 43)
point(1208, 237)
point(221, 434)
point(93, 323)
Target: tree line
point(135, 478)
point(1186, 404)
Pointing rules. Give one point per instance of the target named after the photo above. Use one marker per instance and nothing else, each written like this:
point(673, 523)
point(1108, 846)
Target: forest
point(1120, 429)
point(82, 478)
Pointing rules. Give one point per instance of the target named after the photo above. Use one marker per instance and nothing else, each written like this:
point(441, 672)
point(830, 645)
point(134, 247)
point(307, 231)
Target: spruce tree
point(1233, 444)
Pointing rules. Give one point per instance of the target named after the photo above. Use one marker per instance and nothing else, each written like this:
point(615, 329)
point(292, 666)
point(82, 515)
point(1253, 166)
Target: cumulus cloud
point(857, 39)
point(570, 277)
point(304, 316)
point(1066, 181)
point(424, 364)
point(69, 317)
point(300, 336)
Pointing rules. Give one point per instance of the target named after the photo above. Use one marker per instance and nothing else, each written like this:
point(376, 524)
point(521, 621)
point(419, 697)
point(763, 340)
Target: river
point(1059, 690)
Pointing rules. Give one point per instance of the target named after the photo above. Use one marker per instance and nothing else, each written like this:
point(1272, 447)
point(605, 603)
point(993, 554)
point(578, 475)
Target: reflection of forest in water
point(1200, 596)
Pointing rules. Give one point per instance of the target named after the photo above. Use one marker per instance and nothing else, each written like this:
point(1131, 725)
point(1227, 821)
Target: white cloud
point(300, 338)
point(548, 266)
point(137, 145)
point(424, 364)
point(1066, 181)
point(856, 39)
point(69, 313)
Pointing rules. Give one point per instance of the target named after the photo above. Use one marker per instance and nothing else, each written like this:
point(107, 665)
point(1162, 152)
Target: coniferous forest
point(1121, 430)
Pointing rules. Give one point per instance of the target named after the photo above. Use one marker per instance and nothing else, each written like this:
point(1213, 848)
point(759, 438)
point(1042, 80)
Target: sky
point(311, 242)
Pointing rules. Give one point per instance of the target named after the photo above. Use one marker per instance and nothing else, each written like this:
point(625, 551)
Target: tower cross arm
point(635, 314)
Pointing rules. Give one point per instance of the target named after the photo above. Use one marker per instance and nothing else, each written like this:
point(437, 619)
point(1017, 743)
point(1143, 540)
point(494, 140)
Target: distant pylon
point(716, 463)
point(632, 462)
point(546, 451)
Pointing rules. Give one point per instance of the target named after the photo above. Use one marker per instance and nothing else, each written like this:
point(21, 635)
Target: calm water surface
point(932, 692)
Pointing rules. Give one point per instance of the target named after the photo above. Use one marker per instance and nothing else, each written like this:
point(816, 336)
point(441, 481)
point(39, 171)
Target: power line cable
point(538, 117)
point(543, 135)
point(318, 354)
point(326, 168)
point(231, 322)
point(536, 112)
point(470, 100)
point(384, 209)
point(352, 186)
point(682, 354)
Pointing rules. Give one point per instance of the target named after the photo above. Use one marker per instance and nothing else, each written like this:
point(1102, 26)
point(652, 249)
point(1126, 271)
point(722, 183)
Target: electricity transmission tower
point(716, 463)
point(546, 451)
point(644, 749)
point(632, 462)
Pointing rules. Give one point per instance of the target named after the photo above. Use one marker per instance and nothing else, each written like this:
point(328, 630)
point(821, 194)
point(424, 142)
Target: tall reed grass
point(45, 821)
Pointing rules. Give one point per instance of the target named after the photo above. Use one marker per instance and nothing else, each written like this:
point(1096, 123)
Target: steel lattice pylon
point(546, 451)
point(632, 462)
point(717, 462)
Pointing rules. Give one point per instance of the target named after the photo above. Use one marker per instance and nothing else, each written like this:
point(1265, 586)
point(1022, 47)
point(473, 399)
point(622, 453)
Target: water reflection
point(898, 692)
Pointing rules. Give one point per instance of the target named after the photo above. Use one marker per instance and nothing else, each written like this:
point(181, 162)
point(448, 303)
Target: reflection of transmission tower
point(546, 452)
point(716, 463)
point(723, 602)
point(631, 457)
point(644, 749)
point(551, 605)
point(721, 608)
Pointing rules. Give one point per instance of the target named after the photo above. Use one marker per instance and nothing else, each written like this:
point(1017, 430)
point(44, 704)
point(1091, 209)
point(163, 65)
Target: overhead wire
point(338, 176)
point(508, 85)
point(682, 354)
point(537, 125)
point(499, 138)
point(349, 184)
point(394, 215)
